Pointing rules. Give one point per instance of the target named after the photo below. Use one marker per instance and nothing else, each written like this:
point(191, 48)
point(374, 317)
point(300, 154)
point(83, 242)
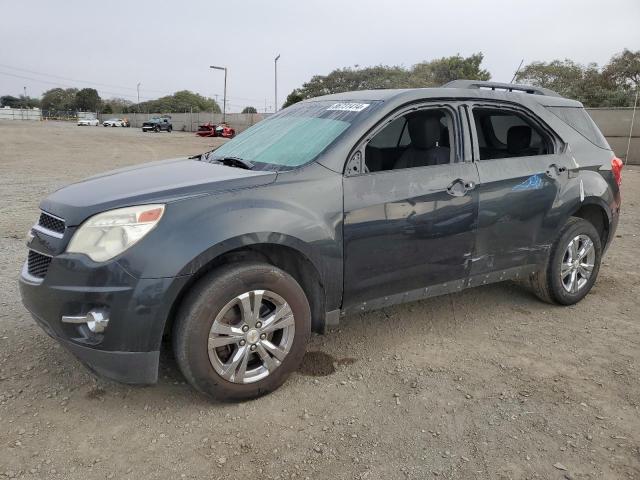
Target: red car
point(211, 130)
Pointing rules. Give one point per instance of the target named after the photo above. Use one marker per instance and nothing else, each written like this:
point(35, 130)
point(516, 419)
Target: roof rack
point(508, 87)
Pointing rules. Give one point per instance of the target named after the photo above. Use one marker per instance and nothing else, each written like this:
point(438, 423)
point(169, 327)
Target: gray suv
point(338, 204)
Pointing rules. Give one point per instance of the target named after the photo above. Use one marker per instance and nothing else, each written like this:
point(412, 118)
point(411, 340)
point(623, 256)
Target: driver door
point(408, 232)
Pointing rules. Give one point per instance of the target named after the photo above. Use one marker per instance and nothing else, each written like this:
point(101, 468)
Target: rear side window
point(578, 119)
point(503, 133)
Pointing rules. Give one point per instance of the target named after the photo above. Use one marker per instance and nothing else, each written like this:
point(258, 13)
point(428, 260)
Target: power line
point(58, 84)
point(87, 82)
point(75, 80)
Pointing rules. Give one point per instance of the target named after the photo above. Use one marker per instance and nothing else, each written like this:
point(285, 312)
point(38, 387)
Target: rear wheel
point(573, 264)
point(241, 331)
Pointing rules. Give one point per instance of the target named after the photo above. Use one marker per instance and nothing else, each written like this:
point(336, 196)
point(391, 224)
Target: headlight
point(108, 234)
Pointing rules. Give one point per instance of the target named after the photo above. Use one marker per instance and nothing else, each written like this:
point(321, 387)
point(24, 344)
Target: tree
point(624, 69)
point(585, 83)
point(249, 110)
point(59, 99)
point(425, 74)
point(182, 101)
point(118, 105)
point(88, 100)
point(446, 69)
point(10, 101)
point(294, 97)
point(29, 102)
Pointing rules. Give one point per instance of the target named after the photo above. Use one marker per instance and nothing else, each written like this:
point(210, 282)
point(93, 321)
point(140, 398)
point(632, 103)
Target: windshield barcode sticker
point(349, 107)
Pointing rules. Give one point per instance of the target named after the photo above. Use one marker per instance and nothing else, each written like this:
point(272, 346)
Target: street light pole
point(224, 99)
point(138, 87)
point(275, 68)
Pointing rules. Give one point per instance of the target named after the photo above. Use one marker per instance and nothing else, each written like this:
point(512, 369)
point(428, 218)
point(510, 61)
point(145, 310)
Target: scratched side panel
point(403, 231)
point(515, 197)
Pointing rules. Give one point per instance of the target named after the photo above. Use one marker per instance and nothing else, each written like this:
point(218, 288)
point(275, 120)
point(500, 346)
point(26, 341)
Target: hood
point(156, 182)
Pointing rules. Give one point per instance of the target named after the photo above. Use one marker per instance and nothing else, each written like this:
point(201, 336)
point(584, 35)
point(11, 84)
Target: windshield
point(293, 137)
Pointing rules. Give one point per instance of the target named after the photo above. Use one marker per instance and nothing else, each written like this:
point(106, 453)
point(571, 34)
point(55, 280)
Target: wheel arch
point(285, 255)
point(595, 211)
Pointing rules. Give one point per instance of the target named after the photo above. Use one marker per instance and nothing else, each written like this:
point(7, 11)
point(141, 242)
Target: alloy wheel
point(251, 336)
point(577, 263)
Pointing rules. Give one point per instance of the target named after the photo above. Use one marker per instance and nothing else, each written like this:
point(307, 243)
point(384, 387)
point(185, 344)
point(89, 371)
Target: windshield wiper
point(234, 162)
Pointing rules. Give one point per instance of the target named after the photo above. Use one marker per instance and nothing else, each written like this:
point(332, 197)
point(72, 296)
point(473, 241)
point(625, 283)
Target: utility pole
point(275, 68)
point(25, 97)
point(224, 98)
point(138, 87)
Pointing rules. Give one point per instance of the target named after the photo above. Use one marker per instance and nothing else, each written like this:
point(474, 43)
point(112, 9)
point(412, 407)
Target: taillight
point(616, 169)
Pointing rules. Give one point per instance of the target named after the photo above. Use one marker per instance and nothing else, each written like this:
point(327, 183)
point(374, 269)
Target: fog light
point(97, 320)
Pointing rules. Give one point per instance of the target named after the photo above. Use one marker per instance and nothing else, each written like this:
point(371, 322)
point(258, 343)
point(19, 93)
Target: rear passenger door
point(521, 170)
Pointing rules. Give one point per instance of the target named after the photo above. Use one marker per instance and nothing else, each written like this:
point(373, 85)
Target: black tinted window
point(578, 119)
point(389, 137)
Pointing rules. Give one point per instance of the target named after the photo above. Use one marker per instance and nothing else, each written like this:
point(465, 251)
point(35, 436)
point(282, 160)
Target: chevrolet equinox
point(338, 204)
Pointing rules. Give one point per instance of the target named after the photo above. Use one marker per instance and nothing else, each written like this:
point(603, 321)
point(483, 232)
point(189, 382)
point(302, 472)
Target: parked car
point(157, 124)
point(212, 130)
point(116, 122)
point(335, 205)
point(88, 122)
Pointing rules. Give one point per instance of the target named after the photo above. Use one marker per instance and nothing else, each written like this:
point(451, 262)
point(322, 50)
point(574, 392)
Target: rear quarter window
point(578, 119)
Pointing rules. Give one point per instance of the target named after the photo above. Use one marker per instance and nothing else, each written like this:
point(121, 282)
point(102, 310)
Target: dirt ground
point(489, 383)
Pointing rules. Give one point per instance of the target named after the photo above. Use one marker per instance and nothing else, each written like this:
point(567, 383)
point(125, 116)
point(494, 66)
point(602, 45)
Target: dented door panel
point(404, 230)
point(517, 198)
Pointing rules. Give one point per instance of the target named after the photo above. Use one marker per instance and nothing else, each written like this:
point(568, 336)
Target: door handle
point(460, 187)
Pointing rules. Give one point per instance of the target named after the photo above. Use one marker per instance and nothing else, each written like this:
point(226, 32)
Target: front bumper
point(128, 349)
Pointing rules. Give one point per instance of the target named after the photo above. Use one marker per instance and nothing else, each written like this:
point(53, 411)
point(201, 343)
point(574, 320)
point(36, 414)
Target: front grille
point(37, 264)
point(51, 223)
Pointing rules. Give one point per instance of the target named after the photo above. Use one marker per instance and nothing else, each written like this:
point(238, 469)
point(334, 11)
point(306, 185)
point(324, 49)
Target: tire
point(205, 306)
point(548, 283)
point(156, 129)
point(169, 130)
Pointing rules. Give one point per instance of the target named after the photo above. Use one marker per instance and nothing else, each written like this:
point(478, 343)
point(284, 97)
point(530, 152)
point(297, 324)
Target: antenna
point(517, 70)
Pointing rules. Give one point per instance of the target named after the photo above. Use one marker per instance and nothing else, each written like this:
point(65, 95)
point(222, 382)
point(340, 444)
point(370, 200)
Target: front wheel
point(242, 331)
point(572, 266)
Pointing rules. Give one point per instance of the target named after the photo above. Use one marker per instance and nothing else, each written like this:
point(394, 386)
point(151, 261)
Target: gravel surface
point(489, 383)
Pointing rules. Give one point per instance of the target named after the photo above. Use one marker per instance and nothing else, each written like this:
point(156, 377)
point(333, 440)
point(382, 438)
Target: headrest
point(424, 130)
point(518, 138)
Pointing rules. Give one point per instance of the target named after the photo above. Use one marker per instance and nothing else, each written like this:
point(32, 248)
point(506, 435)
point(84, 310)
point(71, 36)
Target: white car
point(115, 122)
point(91, 122)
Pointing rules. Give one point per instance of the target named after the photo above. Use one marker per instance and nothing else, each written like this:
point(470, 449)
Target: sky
point(169, 45)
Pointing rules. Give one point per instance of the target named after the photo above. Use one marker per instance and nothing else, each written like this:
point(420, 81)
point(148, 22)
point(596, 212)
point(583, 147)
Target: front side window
point(505, 133)
point(417, 139)
point(295, 136)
